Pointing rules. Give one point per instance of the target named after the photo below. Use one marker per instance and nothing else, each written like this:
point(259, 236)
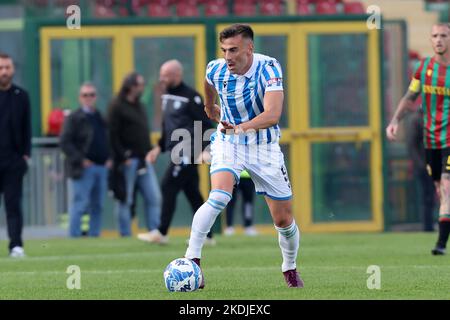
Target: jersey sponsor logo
point(274, 81)
point(442, 91)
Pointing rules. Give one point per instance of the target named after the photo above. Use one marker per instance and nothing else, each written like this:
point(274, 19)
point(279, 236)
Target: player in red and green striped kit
point(432, 80)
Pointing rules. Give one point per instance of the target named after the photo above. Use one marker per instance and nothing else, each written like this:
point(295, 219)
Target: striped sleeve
point(211, 69)
point(414, 86)
point(272, 76)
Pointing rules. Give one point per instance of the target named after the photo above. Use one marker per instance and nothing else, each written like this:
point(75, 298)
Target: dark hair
point(128, 82)
point(4, 55)
point(236, 29)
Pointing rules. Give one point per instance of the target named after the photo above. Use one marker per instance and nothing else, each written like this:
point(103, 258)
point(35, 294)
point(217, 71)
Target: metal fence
point(46, 194)
point(45, 199)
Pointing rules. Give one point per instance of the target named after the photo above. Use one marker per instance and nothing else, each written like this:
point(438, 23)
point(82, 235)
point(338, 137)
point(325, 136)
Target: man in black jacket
point(130, 140)
point(183, 112)
point(15, 150)
point(84, 141)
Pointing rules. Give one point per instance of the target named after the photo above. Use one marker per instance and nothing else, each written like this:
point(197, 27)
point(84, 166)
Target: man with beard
point(250, 89)
point(432, 80)
point(183, 110)
point(15, 151)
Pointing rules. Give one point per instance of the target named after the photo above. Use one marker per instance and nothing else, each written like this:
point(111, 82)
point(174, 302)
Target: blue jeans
point(88, 195)
point(147, 184)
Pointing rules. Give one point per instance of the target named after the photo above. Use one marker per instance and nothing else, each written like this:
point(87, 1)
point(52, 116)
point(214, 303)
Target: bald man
point(183, 116)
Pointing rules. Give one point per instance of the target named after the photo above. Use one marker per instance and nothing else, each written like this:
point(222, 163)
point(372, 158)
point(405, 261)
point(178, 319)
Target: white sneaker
point(17, 252)
point(153, 236)
point(251, 231)
point(229, 231)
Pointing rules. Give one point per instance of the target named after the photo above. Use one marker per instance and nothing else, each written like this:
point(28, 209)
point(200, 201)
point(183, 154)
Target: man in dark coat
point(15, 151)
point(84, 141)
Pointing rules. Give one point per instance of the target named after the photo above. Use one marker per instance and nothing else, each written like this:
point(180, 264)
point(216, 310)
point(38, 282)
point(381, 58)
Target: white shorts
point(264, 163)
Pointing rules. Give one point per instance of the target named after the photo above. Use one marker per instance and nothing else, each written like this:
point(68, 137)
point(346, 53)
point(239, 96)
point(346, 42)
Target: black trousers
point(11, 181)
point(179, 178)
point(247, 189)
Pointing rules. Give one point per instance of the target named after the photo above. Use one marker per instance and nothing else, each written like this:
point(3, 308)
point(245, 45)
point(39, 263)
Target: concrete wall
point(419, 20)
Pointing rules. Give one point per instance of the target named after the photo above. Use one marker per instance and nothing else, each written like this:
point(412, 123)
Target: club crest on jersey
point(251, 84)
point(429, 72)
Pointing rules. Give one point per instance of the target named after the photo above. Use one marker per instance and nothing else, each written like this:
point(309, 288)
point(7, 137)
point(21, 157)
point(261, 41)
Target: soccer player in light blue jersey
point(250, 90)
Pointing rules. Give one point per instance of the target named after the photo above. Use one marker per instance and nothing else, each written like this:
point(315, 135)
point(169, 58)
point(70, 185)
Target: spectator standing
point(130, 140)
point(15, 151)
point(84, 141)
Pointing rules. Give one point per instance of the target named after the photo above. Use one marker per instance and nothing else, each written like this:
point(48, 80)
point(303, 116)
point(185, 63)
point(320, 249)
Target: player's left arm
point(273, 107)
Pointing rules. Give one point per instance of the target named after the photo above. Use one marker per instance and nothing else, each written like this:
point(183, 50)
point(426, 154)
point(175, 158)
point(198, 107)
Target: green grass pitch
point(333, 266)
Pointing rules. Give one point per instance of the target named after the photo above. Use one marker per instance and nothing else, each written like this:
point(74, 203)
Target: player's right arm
point(406, 105)
point(211, 108)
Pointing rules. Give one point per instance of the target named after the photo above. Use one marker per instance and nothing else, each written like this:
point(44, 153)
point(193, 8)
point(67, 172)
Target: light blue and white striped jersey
point(242, 96)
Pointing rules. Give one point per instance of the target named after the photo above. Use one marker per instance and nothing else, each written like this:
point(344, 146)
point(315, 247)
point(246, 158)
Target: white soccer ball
point(182, 275)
